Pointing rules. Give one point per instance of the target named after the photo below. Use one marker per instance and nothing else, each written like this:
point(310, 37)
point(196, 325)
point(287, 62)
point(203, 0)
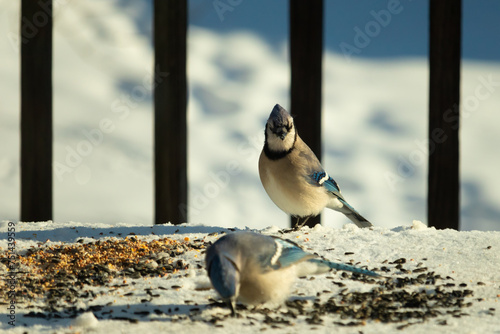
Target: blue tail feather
point(345, 267)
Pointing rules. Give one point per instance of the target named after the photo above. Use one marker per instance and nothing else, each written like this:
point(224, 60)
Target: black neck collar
point(275, 155)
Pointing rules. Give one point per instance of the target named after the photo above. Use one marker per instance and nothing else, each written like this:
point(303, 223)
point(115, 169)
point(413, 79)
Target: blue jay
point(253, 268)
point(293, 176)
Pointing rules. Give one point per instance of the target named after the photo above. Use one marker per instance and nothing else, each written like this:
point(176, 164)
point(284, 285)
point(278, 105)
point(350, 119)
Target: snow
point(467, 257)
point(86, 320)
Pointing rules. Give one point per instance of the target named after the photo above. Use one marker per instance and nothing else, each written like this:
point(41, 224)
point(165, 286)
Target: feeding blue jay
point(293, 176)
point(254, 268)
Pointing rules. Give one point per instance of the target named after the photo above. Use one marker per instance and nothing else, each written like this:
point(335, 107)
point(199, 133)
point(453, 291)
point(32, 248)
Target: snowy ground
point(374, 131)
point(466, 262)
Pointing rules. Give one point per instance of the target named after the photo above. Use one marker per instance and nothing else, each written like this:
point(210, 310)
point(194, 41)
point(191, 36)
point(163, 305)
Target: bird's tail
point(354, 215)
point(325, 265)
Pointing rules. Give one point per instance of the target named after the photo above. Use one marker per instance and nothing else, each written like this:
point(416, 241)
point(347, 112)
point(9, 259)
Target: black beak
point(232, 306)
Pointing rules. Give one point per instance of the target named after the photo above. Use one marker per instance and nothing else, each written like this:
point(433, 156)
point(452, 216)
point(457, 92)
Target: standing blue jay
point(293, 176)
point(255, 268)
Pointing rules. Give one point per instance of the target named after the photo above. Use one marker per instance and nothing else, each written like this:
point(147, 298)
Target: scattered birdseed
point(61, 275)
point(142, 313)
point(398, 261)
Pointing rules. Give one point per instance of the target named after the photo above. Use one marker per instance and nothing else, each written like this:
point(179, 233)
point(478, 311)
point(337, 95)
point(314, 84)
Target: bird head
point(280, 130)
point(224, 272)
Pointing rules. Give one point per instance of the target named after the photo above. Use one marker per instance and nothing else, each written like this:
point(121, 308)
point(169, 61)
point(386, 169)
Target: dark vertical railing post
point(306, 49)
point(36, 110)
point(444, 96)
point(170, 103)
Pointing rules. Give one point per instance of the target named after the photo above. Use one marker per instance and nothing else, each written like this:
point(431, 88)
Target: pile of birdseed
point(56, 274)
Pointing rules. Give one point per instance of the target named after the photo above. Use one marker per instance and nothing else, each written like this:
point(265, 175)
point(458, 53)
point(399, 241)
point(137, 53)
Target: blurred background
point(375, 97)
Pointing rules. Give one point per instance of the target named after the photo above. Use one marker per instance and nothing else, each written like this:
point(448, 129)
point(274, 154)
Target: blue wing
point(322, 179)
point(288, 253)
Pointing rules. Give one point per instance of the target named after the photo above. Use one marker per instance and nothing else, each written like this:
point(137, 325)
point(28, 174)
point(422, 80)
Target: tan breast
point(285, 184)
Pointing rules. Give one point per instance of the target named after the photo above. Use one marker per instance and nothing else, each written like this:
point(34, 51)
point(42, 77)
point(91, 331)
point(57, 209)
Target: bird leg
point(298, 226)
